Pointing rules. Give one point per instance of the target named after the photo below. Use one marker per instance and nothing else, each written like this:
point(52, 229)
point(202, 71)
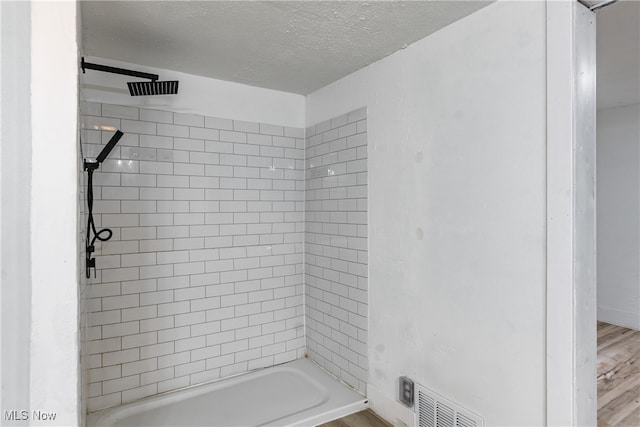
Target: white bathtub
point(297, 393)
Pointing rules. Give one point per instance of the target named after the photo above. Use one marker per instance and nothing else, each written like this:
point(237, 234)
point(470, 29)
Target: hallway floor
point(618, 376)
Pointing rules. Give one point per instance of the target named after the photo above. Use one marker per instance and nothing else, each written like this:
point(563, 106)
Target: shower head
point(107, 148)
point(153, 88)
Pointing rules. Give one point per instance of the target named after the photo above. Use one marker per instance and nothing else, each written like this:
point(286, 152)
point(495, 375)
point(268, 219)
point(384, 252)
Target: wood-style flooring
point(618, 376)
point(366, 418)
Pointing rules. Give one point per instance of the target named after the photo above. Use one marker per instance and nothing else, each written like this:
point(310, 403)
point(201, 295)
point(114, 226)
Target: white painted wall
point(2, 262)
point(619, 215)
point(15, 176)
point(196, 94)
point(54, 352)
point(456, 128)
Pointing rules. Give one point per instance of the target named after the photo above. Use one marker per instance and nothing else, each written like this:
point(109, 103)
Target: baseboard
point(390, 409)
point(619, 317)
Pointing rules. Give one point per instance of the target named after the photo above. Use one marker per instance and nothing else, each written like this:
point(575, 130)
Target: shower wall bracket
point(90, 165)
point(115, 70)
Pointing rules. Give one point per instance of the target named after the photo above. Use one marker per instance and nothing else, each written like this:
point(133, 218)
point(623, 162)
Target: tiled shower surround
point(336, 247)
point(203, 277)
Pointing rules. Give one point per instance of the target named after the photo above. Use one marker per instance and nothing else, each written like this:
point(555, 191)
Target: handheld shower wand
point(105, 234)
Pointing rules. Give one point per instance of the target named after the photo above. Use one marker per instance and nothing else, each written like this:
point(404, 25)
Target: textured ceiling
point(618, 54)
point(292, 46)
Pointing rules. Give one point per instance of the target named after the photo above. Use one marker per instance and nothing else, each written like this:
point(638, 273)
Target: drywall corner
point(54, 352)
point(570, 223)
point(617, 317)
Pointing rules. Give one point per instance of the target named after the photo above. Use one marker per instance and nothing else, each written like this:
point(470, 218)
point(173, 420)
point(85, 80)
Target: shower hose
point(102, 235)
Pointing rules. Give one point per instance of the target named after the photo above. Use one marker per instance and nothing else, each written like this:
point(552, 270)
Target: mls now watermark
point(24, 415)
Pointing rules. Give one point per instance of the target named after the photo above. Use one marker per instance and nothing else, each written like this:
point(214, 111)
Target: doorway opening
point(618, 213)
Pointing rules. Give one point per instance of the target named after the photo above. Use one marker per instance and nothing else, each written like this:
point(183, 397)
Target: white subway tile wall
point(203, 277)
point(336, 265)
point(86, 359)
